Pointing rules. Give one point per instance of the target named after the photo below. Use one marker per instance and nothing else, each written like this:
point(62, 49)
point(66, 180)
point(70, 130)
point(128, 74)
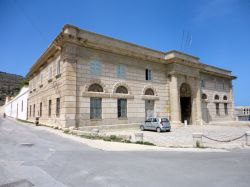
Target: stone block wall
point(41, 91)
point(134, 80)
point(217, 86)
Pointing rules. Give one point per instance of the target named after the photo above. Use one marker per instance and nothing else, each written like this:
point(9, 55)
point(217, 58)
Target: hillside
point(10, 85)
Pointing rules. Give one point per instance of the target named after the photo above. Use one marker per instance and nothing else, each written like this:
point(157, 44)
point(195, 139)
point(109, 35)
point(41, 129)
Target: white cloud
point(214, 9)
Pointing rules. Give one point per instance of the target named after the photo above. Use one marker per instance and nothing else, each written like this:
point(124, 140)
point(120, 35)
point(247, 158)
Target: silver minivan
point(158, 124)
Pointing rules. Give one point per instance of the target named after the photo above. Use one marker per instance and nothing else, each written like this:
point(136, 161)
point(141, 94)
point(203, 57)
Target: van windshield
point(164, 119)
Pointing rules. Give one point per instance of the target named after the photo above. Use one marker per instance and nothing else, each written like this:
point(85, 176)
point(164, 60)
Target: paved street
point(54, 161)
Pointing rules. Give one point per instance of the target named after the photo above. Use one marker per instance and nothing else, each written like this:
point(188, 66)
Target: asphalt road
point(54, 161)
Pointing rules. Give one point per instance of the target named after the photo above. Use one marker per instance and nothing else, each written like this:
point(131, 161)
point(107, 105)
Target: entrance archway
point(186, 103)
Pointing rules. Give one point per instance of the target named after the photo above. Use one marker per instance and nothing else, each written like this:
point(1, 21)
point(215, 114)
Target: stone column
point(174, 100)
point(68, 100)
point(198, 104)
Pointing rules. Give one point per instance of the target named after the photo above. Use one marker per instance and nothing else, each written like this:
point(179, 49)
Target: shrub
point(66, 131)
point(198, 145)
point(145, 143)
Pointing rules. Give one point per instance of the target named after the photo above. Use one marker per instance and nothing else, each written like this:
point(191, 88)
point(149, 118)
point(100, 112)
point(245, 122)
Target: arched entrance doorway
point(186, 103)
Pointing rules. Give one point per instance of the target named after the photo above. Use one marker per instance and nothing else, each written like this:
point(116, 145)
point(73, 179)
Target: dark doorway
point(185, 109)
point(186, 103)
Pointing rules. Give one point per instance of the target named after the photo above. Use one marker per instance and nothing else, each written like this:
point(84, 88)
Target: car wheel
point(169, 130)
point(142, 128)
point(158, 129)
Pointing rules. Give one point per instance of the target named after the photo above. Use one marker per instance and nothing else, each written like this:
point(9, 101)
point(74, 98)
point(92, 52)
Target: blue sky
point(220, 30)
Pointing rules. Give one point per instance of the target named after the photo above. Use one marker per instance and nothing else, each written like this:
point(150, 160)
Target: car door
point(154, 123)
point(148, 124)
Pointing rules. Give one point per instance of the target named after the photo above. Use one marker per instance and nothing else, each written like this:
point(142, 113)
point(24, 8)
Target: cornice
point(202, 69)
point(47, 54)
point(82, 38)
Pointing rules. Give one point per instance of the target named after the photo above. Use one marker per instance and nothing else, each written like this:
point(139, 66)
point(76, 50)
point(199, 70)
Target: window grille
point(122, 108)
point(58, 107)
point(95, 108)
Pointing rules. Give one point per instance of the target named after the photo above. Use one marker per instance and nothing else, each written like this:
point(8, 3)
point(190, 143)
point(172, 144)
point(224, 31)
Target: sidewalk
point(116, 146)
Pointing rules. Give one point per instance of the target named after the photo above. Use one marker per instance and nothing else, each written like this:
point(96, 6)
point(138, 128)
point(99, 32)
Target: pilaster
point(174, 100)
point(198, 103)
point(232, 100)
point(68, 100)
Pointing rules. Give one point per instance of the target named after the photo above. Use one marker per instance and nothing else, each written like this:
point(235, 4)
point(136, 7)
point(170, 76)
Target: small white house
point(17, 106)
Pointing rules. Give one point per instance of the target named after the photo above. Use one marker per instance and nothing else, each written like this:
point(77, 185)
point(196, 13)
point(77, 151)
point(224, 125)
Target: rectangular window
point(41, 109)
point(41, 78)
point(30, 84)
point(30, 110)
point(49, 112)
point(35, 83)
point(120, 70)
point(95, 108)
point(215, 84)
point(122, 108)
point(217, 105)
point(202, 83)
point(58, 67)
point(34, 110)
point(225, 109)
point(95, 67)
point(148, 74)
point(57, 107)
point(50, 71)
point(223, 85)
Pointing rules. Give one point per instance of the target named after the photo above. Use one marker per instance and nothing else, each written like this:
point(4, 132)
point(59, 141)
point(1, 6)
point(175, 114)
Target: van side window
point(154, 120)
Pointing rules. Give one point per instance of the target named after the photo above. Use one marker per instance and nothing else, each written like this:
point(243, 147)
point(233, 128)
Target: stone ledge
point(107, 95)
point(122, 96)
point(150, 97)
point(96, 94)
point(110, 127)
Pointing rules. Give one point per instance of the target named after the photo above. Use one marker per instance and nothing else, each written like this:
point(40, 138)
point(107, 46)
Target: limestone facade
point(86, 79)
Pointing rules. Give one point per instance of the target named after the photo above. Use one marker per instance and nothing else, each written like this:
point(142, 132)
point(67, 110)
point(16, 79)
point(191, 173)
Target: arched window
point(122, 90)
point(204, 96)
point(95, 102)
point(216, 97)
point(224, 97)
point(149, 91)
point(95, 88)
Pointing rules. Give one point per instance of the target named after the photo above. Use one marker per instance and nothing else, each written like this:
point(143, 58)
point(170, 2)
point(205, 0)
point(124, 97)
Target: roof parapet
point(174, 54)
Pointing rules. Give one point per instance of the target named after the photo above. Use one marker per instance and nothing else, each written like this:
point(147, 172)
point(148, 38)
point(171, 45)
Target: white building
point(242, 113)
point(17, 106)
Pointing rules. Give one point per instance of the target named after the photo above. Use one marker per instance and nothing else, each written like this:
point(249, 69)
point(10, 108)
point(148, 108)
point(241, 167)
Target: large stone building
point(86, 79)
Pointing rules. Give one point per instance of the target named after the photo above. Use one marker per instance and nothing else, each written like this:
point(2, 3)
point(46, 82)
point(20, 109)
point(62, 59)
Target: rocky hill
point(10, 85)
